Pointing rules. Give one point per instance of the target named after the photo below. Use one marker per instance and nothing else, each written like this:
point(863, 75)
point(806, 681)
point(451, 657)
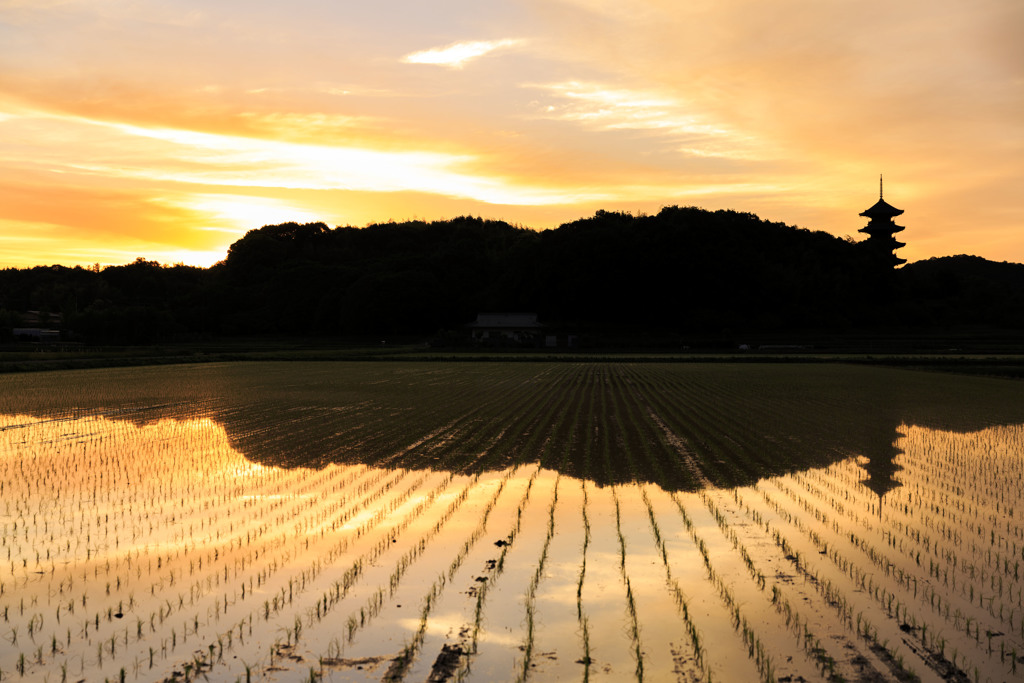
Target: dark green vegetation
point(683, 276)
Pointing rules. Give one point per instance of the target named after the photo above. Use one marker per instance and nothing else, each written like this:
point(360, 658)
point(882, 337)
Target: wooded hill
point(682, 271)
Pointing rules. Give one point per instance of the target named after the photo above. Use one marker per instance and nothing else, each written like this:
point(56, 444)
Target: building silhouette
point(880, 230)
point(881, 453)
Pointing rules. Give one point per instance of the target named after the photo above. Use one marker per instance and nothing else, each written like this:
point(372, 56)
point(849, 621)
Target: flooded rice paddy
point(549, 522)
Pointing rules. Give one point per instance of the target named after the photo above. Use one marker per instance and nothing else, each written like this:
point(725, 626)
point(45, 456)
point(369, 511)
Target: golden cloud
point(457, 55)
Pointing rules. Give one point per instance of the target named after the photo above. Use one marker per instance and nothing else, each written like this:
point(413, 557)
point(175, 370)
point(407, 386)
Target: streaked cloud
point(209, 159)
point(604, 107)
point(160, 127)
point(456, 55)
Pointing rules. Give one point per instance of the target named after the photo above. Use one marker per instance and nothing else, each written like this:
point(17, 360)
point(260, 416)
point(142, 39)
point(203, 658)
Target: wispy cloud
point(787, 109)
point(456, 55)
point(162, 155)
point(602, 107)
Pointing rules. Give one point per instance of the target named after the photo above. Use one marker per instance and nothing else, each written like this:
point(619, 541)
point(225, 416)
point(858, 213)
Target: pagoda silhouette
point(881, 454)
point(880, 230)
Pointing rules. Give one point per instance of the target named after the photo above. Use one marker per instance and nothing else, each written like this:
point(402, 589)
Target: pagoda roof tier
point(882, 209)
point(874, 228)
point(886, 244)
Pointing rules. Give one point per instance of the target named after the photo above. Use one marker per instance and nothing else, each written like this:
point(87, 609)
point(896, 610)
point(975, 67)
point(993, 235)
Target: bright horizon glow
point(168, 132)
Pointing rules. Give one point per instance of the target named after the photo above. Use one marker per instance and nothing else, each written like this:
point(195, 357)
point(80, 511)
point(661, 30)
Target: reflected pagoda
point(881, 466)
point(881, 228)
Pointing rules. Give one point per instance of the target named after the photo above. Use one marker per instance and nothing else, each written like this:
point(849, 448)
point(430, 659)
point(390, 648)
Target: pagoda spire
point(881, 228)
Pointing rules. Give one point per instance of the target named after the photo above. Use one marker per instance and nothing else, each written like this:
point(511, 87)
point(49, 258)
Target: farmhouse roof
point(506, 321)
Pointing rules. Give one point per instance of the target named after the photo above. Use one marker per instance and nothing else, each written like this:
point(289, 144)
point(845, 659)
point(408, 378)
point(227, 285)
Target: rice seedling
point(154, 518)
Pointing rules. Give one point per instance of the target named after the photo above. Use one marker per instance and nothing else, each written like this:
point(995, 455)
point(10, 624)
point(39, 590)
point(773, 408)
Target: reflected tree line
point(682, 271)
point(383, 415)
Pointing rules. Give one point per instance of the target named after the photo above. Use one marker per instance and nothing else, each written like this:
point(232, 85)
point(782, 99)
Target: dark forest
point(684, 271)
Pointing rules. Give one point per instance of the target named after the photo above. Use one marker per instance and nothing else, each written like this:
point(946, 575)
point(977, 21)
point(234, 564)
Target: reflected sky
point(682, 426)
point(152, 513)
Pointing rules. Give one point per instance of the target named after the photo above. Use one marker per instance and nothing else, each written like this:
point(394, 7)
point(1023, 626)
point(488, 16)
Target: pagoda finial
point(879, 185)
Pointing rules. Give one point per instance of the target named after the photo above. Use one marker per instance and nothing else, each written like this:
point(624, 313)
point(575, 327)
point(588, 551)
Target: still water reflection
point(378, 521)
point(680, 426)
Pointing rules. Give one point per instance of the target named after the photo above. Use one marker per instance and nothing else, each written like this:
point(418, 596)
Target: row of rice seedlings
point(536, 439)
point(613, 400)
point(830, 593)
point(494, 570)
point(864, 582)
point(411, 649)
point(987, 537)
point(404, 660)
point(362, 616)
point(529, 601)
point(375, 602)
point(381, 542)
point(270, 609)
point(757, 649)
point(940, 595)
point(588, 455)
point(949, 551)
point(795, 623)
point(666, 402)
point(678, 596)
point(810, 644)
point(575, 401)
point(979, 551)
point(900, 569)
point(897, 597)
point(581, 616)
point(648, 429)
point(634, 622)
point(172, 579)
point(406, 560)
point(612, 422)
point(186, 630)
point(640, 415)
point(690, 406)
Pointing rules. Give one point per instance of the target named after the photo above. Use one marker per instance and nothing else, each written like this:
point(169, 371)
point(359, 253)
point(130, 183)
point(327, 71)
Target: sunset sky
point(168, 128)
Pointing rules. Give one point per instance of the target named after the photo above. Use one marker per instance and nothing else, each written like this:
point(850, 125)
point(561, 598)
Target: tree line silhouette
point(682, 271)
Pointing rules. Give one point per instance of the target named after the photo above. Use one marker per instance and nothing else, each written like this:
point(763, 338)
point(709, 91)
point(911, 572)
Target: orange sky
point(168, 128)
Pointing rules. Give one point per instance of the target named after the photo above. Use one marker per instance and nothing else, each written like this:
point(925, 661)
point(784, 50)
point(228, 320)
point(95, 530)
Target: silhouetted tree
point(680, 271)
